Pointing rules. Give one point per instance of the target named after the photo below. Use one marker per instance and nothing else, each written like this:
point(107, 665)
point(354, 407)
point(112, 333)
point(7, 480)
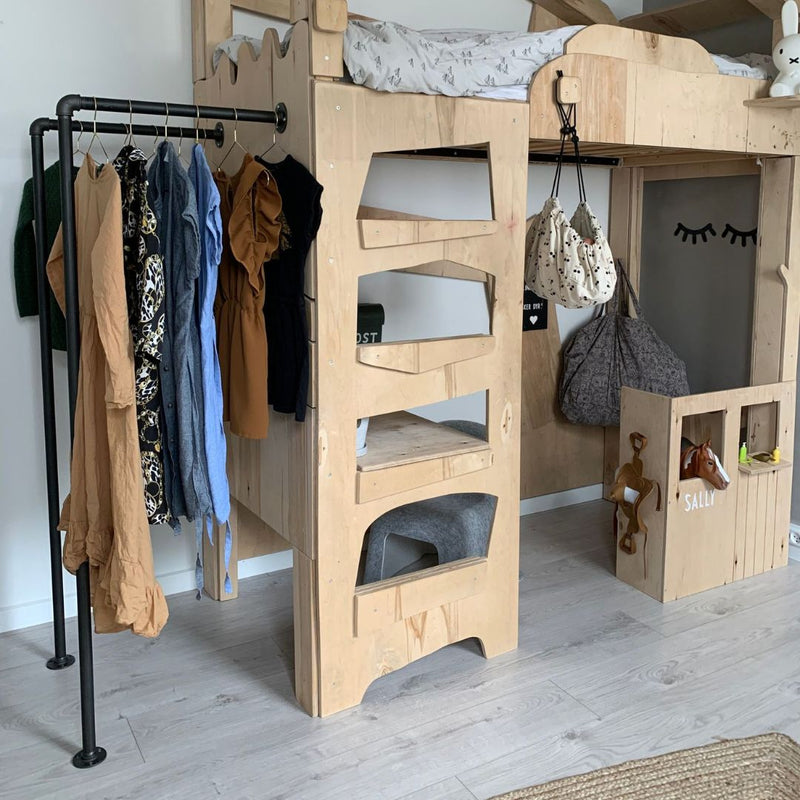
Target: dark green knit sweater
point(25, 277)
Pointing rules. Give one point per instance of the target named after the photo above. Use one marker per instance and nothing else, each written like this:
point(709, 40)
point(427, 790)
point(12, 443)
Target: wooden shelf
point(405, 451)
point(763, 467)
point(768, 103)
point(396, 232)
point(700, 15)
point(423, 355)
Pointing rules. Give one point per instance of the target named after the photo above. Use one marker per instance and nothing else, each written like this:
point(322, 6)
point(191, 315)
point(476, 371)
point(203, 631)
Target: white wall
point(143, 50)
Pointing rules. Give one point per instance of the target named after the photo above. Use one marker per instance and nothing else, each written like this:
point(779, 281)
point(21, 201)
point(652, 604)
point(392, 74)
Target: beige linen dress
point(104, 515)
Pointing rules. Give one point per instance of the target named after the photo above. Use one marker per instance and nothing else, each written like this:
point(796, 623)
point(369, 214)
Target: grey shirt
point(173, 200)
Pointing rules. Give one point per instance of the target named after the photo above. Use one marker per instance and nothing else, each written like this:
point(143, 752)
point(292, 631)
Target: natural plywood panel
point(579, 12)
point(330, 15)
point(640, 47)
point(423, 355)
point(278, 9)
point(398, 599)
point(352, 124)
point(393, 232)
point(393, 480)
point(402, 438)
point(692, 16)
point(542, 20)
point(212, 23)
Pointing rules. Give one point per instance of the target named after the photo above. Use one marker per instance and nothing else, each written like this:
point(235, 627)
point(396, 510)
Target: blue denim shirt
point(210, 254)
point(173, 200)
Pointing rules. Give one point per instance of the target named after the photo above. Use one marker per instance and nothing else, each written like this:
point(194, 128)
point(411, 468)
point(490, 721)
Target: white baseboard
point(571, 497)
point(41, 611)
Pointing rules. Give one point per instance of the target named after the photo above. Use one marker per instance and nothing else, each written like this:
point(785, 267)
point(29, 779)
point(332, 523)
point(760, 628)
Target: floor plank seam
point(135, 740)
point(579, 702)
point(466, 788)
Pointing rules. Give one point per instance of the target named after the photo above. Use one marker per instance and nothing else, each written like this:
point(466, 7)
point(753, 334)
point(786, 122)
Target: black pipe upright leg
point(90, 754)
point(61, 658)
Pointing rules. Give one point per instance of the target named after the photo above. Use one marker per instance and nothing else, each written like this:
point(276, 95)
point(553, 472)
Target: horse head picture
point(700, 461)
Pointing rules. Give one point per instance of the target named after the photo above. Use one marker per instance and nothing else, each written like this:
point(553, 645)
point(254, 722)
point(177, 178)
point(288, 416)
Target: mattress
point(389, 57)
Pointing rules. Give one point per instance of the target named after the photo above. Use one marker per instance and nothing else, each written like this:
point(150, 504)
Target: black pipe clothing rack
point(90, 753)
point(39, 127)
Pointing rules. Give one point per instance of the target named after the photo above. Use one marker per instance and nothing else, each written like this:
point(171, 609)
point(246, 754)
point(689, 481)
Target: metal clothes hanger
point(273, 145)
point(164, 138)
point(236, 142)
point(130, 139)
point(78, 141)
point(95, 136)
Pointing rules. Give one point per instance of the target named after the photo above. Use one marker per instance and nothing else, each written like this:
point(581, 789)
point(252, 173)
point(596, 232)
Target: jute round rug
point(760, 768)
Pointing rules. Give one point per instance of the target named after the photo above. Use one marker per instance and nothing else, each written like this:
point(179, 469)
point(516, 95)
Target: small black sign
point(534, 312)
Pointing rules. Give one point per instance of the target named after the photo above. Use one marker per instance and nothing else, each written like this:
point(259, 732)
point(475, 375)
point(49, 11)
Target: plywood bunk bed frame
point(655, 102)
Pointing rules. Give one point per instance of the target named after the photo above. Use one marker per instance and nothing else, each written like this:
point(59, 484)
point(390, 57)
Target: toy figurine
point(786, 54)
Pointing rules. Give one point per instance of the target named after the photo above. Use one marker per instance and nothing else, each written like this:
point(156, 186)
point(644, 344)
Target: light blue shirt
point(210, 224)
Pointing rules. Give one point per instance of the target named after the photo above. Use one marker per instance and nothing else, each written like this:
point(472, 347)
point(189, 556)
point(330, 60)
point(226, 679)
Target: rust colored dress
point(104, 515)
point(250, 206)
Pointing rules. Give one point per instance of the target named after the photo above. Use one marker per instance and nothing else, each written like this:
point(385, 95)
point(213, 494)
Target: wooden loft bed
point(642, 98)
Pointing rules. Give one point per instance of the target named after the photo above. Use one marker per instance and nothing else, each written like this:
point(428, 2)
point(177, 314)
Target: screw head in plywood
point(568, 90)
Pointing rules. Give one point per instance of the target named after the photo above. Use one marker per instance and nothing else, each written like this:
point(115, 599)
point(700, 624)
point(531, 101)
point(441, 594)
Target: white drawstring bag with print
point(569, 261)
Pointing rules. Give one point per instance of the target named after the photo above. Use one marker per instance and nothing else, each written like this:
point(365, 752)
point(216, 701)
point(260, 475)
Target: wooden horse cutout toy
point(629, 491)
point(700, 461)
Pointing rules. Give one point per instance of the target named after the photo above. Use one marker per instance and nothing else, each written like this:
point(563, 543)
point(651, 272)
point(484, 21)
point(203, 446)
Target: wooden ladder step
point(379, 605)
point(396, 232)
point(405, 451)
point(422, 355)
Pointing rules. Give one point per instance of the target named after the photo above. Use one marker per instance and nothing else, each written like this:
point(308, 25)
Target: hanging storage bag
point(613, 351)
point(569, 261)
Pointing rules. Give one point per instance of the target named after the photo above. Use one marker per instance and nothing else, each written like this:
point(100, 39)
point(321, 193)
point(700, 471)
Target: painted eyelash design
point(737, 234)
point(701, 233)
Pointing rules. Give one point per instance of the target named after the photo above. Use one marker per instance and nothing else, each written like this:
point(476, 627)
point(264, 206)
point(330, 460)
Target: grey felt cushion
point(458, 525)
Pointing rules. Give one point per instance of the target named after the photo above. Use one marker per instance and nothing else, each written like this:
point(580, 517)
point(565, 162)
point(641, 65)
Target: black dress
point(284, 304)
point(144, 284)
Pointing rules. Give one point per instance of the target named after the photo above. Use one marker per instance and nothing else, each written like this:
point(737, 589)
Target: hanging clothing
point(284, 304)
point(104, 515)
point(144, 286)
point(26, 279)
point(250, 206)
point(210, 255)
point(173, 200)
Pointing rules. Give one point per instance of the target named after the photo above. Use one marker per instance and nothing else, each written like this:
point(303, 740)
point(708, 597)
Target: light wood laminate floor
point(602, 674)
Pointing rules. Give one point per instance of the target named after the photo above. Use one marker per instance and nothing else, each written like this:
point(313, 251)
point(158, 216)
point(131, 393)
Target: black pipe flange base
point(83, 760)
point(60, 662)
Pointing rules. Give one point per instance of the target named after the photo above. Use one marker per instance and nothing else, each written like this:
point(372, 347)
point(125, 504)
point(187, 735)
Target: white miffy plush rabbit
point(786, 54)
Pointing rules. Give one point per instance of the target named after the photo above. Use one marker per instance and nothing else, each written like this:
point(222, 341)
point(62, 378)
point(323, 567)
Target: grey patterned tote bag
point(613, 351)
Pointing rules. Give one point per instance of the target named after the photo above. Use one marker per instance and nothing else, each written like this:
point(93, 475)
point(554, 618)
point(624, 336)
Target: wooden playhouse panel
point(709, 539)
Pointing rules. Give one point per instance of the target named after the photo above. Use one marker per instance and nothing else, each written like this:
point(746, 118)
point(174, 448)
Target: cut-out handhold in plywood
point(423, 355)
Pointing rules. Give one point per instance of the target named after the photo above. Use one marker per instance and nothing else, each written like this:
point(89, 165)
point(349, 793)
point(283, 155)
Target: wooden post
point(774, 347)
point(212, 23)
point(625, 237)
